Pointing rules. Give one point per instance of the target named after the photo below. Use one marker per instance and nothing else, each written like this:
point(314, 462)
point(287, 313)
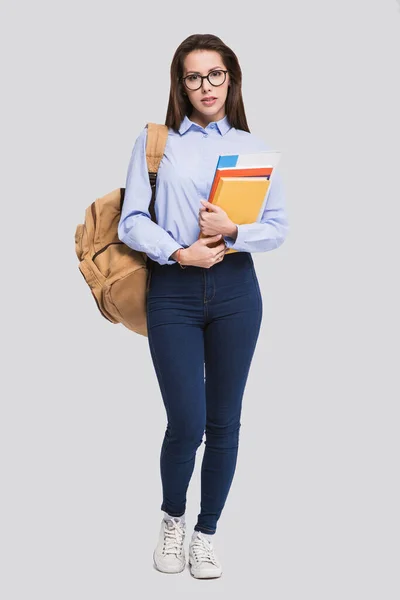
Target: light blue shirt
point(184, 177)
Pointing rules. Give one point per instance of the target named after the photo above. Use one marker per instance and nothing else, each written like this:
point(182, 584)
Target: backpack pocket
point(95, 281)
point(125, 298)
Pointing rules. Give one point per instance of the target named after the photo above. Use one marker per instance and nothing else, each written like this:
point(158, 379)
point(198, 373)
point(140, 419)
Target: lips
point(208, 99)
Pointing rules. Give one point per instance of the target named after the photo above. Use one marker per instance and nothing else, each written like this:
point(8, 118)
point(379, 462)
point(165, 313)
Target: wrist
point(178, 256)
point(174, 255)
point(232, 231)
point(182, 256)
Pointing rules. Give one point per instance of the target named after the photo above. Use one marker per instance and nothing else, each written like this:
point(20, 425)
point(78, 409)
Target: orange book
point(245, 172)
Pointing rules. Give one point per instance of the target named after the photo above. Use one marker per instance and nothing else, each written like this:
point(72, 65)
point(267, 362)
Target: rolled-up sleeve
point(135, 227)
point(273, 227)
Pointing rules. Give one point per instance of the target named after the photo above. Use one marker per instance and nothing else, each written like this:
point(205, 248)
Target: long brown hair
point(179, 104)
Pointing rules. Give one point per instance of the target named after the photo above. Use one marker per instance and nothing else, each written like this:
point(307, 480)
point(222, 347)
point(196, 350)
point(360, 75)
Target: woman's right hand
point(200, 254)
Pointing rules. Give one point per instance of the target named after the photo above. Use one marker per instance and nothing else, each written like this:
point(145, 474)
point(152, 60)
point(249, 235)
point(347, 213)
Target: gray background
point(312, 510)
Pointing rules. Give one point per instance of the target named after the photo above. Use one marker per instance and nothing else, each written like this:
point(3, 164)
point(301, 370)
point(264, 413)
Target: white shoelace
point(202, 550)
point(174, 532)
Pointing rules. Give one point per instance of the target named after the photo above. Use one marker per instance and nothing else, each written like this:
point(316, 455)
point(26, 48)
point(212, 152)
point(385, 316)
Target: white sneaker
point(169, 555)
point(202, 560)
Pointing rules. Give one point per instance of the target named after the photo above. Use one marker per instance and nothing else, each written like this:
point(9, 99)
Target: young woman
point(204, 308)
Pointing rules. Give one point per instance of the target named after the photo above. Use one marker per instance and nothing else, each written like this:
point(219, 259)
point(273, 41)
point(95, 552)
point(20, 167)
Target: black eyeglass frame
point(202, 77)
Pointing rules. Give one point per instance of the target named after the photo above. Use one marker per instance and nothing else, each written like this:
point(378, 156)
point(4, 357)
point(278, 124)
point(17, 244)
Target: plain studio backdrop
point(313, 509)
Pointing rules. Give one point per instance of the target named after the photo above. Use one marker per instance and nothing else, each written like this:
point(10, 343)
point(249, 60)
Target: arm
point(271, 232)
point(135, 227)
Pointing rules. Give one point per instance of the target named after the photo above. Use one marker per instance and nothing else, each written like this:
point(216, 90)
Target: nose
point(206, 86)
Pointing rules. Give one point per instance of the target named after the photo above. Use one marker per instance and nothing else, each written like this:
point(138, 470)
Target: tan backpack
point(118, 276)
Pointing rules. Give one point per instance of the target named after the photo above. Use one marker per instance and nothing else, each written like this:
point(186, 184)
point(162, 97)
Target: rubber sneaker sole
point(204, 573)
point(171, 570)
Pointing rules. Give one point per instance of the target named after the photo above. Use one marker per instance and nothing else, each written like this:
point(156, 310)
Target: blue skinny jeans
point(203, 326)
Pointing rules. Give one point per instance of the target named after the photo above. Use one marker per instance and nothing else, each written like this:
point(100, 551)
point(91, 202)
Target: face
point(205, 62)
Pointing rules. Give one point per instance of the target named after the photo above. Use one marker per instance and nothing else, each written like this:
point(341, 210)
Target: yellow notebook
point(242, 198)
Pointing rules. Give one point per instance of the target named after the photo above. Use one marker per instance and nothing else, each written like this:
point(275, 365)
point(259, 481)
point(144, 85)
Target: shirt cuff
point(232, 243)
point(173, 247)
point(159, 251)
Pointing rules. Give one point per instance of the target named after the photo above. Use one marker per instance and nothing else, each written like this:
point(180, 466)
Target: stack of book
point(241, 185)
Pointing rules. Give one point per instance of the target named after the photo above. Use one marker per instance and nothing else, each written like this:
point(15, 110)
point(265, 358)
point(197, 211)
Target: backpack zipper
point(105, 248)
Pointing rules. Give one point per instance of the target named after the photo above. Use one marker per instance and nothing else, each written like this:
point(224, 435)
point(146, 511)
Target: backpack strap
point(156, 140)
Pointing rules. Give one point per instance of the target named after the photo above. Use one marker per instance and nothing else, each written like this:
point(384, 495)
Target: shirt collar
point(223, 125)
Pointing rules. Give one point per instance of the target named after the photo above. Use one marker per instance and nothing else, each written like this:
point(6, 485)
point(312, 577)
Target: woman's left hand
point(215, 221)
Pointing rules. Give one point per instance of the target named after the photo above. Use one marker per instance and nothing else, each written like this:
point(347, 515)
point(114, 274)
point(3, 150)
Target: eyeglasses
point(194, 81)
